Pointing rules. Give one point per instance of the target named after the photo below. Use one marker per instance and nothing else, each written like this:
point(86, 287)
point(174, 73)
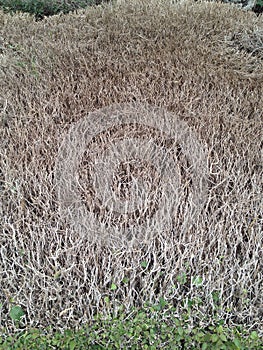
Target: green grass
point(151, 327)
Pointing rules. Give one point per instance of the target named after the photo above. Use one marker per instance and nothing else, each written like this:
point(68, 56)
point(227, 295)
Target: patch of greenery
point(258, 8)
point(42, 8)
point(16, 313)
point(150, 327)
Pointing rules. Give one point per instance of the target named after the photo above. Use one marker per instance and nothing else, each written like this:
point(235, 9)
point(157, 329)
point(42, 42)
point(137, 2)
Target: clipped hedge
point(42, 8)
point(207, 72)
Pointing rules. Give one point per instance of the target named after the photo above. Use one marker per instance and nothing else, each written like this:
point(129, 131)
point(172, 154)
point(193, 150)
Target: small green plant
point(16, 313)
point(154, 326)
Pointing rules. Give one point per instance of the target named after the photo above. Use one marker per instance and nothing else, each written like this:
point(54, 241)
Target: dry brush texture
point(195, 60)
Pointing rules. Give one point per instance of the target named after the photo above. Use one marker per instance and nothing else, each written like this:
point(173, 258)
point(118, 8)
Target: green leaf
point(237, 343)
point(214, 338)
point(223, 337)
point(197, 281)
point(220, 329)
point(16, 313)
point(113, 286)
point(254, 335)
point(190, 303)
point(200, 335)
point(215, 296)
point(144, 264)
point(180, 331)
point(72, 345)
point(125, 280)
point(162, 302)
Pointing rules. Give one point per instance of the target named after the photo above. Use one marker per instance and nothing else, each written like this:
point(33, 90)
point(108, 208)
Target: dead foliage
point(182, 58)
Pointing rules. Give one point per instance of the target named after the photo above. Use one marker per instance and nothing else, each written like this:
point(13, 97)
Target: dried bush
point(66, 73)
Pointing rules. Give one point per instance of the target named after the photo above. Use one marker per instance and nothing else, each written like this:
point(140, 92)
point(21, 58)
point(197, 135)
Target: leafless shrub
point(174, 57)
